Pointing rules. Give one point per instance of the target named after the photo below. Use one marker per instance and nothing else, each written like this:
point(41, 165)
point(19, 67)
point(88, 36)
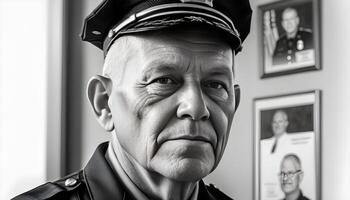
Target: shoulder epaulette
point(52, 190)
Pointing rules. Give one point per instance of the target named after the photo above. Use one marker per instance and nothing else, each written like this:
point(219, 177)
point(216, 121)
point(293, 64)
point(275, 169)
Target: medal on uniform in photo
point(300, 45)
point(207, 2)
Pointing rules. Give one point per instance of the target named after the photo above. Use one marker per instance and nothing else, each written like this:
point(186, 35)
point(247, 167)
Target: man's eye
point(164, 80)
point(214, 85)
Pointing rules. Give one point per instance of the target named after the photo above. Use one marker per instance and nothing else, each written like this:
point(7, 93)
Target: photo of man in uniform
point(292, 46)
point(289, 37)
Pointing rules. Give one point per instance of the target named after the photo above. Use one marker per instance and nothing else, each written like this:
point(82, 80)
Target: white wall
point(235, 172)
point(23, 74)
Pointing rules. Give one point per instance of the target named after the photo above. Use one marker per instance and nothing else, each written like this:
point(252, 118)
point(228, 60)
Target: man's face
point(279, 123)
point(290, 21)
point(173, 107)
point(290, 184)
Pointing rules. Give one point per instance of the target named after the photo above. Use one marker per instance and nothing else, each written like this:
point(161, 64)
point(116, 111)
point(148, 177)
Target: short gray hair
point(116, 59)
point(294, 157)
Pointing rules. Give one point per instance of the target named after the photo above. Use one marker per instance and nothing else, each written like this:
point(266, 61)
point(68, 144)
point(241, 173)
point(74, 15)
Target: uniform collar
point(123, 177)
point(101, 182)
point(204, 194)
point(300, 197)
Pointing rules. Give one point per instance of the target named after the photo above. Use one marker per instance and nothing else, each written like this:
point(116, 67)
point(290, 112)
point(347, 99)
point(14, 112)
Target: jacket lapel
point(101, 182)
point(203, 193)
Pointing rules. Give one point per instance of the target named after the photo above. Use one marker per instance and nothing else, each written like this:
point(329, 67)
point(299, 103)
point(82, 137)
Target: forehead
point(196, 39)
point(289, 164)
point(289, 13)
point(189, 48)
point(279, 116)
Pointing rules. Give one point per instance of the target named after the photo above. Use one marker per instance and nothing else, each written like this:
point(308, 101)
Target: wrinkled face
point(290, 21)
point(290, 184)
point(279, 123)
point(173, 107)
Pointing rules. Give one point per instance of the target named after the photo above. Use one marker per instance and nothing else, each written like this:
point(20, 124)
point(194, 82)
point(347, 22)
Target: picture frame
point(287, 130)
point(289, 37)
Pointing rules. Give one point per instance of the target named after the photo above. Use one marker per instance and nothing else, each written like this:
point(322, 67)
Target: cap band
point(174, 6)
point(171, 9)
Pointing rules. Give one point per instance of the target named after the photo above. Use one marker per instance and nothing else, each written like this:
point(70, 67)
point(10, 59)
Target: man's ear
point(237, 96)
point(98, 91)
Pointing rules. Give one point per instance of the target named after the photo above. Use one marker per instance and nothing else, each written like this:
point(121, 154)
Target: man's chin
point(184, 170)
point(184, 160)
point(287, 189)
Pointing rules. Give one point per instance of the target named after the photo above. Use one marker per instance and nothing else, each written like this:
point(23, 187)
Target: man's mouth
point(286, 184)
point(192, 138)
point(189, 139)
point(189, 132)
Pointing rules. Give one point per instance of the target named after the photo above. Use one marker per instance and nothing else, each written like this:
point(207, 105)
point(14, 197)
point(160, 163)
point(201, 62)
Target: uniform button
point(289, 57)
point(110, 34)
point(70, 182)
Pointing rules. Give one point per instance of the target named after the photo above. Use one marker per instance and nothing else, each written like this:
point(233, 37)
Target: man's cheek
point(144, 101)
point(155, 118)
point(221, 120)
point(139, 118)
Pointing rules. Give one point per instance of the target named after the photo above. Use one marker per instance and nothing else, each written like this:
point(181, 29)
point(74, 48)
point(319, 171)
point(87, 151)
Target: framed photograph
point(289, 37)
point(287, 147)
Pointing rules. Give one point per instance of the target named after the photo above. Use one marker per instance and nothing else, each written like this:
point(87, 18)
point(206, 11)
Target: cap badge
point(207, 2)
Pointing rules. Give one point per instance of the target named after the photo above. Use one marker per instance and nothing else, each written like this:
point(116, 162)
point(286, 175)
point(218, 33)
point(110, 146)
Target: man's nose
point(192, 104)
point(285, 178)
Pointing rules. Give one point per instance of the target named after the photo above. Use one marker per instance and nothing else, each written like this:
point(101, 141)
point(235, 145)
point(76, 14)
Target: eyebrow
point(159, 67)
point(169, 67)
point(219, 71)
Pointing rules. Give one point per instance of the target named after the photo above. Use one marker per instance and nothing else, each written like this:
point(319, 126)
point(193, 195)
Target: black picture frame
point(300, 49)
point(301, 138)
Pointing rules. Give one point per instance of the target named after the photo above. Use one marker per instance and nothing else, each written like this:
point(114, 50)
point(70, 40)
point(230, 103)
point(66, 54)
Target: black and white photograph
point(174, 100)
point(287, 138)
point(289, 37)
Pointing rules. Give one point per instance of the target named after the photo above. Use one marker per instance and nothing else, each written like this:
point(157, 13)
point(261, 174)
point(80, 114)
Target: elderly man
point(295, 40)
point(167, 94)
point(291, 176)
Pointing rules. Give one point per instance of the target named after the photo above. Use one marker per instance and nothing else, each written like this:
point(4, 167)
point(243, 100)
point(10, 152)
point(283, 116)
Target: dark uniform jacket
point(301, 197)
point(97, 181)
point(285, 49)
